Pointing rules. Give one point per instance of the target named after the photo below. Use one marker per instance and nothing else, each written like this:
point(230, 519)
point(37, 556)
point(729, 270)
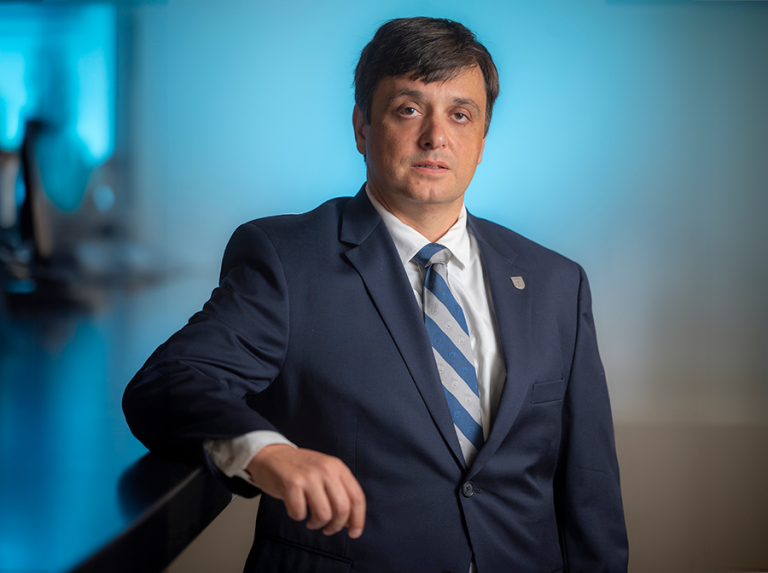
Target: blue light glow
point(13, 98)
point(58, 67)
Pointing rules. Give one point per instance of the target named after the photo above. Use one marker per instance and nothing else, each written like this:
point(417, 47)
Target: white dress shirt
point(468, 283)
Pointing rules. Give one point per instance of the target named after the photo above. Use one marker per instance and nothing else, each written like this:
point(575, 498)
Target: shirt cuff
point(233, 455)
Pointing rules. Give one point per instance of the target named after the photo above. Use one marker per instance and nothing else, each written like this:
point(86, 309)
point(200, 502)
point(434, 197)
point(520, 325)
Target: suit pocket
point(547, 391)
point(270, 555)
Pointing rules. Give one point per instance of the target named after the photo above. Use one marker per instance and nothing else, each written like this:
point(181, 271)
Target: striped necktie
point(449, 335)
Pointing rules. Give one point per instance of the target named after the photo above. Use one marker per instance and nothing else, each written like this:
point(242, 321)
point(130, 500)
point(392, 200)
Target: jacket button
point(468, 489)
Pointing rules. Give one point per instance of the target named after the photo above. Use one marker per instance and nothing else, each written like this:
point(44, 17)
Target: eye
point(408, 111)
point(461, 117)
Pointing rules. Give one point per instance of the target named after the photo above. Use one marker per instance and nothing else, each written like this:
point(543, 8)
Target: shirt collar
point(408, 241)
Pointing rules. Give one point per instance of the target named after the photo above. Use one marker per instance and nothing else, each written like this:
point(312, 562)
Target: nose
point(433, 133)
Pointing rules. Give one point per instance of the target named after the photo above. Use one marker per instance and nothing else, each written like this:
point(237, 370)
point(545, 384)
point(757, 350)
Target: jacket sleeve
point(195, 386)
point(590, 515)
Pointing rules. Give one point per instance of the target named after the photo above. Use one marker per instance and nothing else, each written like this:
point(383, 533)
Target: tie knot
point(431, 254)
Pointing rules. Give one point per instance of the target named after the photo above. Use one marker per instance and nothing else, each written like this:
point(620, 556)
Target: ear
point(482, 148)
point(361, 130)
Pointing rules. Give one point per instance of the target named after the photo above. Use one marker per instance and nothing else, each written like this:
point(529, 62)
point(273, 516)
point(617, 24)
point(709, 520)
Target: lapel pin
point(518, 282)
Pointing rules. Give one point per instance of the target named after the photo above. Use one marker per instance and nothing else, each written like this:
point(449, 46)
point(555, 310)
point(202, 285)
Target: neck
point(432, 220)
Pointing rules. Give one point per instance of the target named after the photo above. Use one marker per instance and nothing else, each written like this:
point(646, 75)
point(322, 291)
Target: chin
point(430, 194)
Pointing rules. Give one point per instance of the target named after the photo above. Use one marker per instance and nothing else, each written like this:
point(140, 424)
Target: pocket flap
point(276, 556)
point(548, 391)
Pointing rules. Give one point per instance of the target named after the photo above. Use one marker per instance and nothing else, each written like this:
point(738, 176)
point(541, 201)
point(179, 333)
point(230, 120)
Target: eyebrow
point(467, 102)
point(416, 94)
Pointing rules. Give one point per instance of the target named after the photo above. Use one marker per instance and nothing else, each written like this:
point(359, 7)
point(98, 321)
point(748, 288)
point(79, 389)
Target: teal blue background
point(605, 108)
point(631, 136)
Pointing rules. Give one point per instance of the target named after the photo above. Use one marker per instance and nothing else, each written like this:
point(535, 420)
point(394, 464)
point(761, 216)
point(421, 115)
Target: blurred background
point(630, 135)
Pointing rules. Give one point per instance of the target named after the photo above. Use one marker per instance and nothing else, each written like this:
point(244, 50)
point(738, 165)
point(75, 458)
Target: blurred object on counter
point(63, 211)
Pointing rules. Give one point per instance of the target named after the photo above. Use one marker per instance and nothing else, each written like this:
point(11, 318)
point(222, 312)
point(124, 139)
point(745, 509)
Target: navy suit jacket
point(314, 332)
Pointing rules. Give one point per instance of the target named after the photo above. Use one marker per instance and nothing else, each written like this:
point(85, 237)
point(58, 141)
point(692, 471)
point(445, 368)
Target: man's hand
point(306, 478)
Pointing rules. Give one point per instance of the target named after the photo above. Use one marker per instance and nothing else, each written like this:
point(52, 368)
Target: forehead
point(468, 84)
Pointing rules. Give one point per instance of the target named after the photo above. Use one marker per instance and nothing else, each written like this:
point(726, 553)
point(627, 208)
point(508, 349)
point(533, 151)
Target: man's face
point(424, 141)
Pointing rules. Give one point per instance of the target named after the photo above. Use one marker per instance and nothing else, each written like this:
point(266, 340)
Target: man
point(412, 388)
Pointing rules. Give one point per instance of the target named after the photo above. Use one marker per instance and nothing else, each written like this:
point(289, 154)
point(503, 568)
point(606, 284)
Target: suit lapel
point(512, 307)
point(374, 256)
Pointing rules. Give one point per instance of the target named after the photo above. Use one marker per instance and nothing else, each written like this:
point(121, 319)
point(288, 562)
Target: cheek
point(397, 139)
point(473, 153)
point(390, 150)
point(379, 159)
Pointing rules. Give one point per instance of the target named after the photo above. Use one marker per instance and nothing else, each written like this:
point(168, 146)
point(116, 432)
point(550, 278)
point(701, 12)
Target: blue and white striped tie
point(449, 334)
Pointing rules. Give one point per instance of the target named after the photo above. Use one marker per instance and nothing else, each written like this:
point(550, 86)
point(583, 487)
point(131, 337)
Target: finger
point(356, 521)
point(340, 504)
point(320, 512)
point(295, 502)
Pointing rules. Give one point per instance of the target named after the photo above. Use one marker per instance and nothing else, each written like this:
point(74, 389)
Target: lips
point(433, 165)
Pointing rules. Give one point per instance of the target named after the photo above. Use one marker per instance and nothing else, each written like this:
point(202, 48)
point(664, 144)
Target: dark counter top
point(77, 491)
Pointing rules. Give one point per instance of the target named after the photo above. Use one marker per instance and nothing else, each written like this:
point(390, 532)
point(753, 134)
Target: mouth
point(435, 166)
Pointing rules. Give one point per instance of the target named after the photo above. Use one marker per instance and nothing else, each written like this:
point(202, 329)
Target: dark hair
point(426, 49)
